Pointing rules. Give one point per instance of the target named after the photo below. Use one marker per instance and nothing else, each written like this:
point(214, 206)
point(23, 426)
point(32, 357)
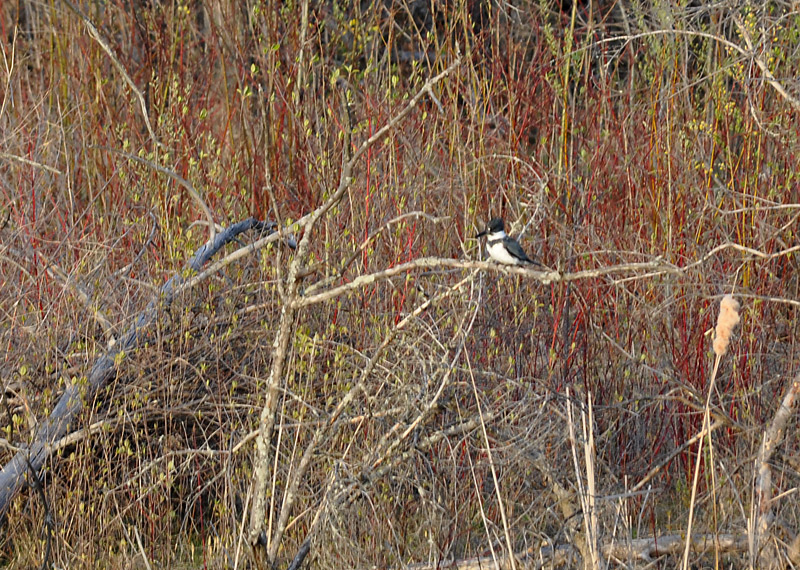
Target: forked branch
point(263, 544)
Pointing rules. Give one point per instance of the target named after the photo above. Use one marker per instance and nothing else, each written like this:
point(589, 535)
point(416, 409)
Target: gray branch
point(105, 368)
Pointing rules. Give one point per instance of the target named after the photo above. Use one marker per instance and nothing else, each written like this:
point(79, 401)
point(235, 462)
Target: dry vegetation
point(445, 410)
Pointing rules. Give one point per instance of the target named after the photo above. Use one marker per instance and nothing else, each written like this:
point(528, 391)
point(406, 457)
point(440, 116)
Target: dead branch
point(763, 66)
point(763, 488)
point(265, 548)
point(640, 549)
point(212, 226)
point(646, 549)
point(105, 367)
point(101, 41)
point(49, 523)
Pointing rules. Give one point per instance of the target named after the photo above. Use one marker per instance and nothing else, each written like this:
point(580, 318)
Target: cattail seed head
point(728, 318)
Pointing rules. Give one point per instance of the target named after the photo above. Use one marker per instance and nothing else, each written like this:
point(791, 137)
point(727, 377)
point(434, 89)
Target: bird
point(503, 248)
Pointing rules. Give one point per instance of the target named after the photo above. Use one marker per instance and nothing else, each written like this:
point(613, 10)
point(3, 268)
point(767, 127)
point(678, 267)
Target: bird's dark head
point(495, 225)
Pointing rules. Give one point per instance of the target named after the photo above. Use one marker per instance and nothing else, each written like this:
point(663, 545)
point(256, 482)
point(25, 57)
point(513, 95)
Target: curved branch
point(771, 439)
point(105, 368)
point(101, 41)
point(212, 226)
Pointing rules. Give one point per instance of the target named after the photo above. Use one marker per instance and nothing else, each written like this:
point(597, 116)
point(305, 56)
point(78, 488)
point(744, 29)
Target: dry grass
point(609, 135)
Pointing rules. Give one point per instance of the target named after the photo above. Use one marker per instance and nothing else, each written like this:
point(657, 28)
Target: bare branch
point(72, 400)
point(763, 488)
point(748, 53)
point(545, 277)
point(426, 89)
point(212, 226)
point(29, 162)
point(98, 37)
point(280, 346)
point(763, 66)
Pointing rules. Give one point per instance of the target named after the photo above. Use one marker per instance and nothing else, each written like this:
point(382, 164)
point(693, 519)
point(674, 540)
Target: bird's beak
point(483, 233)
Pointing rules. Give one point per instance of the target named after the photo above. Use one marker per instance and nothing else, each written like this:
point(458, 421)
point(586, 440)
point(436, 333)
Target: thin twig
point(761, 65)
point(48, 515)
point(695, 479)
point(212, 226)
point(141, 548)
point(495, 480)
point(98, 37)
point(29, 162)
point(8, 63)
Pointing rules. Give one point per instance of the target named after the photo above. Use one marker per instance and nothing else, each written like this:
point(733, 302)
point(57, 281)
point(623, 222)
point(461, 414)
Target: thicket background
point(613, 132)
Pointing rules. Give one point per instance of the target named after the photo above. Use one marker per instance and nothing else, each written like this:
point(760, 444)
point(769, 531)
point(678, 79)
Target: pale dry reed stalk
point(728, 318)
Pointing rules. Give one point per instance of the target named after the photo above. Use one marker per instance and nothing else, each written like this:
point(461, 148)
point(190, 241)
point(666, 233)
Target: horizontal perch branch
point(311, 297)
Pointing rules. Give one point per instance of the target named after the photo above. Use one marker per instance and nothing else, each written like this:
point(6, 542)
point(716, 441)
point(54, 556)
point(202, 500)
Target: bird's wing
point(516, 250)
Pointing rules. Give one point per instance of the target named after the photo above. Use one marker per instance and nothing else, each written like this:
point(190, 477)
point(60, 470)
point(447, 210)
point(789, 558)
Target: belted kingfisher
point(503, 248)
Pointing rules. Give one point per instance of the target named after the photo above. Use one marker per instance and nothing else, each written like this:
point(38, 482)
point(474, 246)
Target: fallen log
point(12, 476)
